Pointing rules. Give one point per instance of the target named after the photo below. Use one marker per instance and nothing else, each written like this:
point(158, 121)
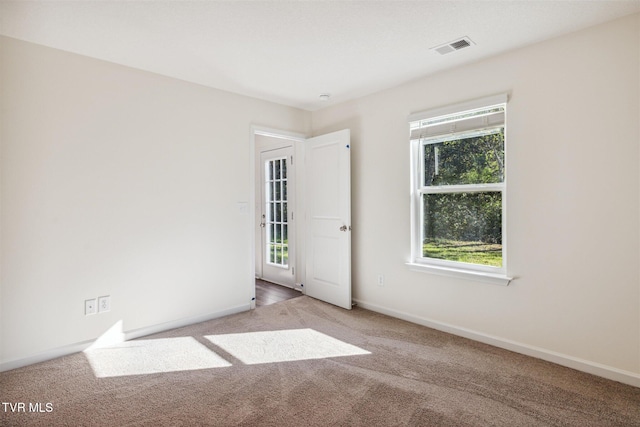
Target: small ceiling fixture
point(458, 44)
point(324, 97)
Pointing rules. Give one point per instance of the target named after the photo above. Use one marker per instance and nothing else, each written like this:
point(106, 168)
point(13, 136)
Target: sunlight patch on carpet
point(141, 357)
point(283, 346)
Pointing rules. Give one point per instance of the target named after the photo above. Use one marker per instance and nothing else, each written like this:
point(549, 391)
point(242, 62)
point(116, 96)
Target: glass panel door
point(278, 231)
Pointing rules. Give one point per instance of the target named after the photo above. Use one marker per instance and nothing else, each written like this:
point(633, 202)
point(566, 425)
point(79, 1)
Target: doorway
point(303, 240)
point(276, 226)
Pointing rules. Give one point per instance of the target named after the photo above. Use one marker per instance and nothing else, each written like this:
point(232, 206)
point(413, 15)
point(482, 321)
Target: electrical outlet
point(380, 280)
point(104, 304)
point(90, 306)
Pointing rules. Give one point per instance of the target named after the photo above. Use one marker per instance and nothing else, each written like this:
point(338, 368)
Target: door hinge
point(293, 271)
point(292, 160)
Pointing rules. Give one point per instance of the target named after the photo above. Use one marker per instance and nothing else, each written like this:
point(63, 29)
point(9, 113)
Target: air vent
point(460, 44)
point(443, 49)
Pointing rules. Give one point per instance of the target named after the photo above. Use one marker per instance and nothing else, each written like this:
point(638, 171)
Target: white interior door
point(328, 218)
point(278, 231)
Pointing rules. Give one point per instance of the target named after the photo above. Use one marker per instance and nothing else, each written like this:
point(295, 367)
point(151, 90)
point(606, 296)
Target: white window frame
point(477, 272)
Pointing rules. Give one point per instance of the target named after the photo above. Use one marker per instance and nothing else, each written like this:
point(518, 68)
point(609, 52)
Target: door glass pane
point(277, 208)
point(463, 227)
point(277, 188)
point(475, 159)
point(271, 211)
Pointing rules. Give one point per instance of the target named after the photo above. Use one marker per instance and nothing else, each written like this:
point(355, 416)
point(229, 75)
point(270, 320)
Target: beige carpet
point(305, 363)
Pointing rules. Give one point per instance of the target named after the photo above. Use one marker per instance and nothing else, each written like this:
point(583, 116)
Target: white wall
point(119, 182)
point(573, 198)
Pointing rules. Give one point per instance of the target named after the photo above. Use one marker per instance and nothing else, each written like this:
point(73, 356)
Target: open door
point(328, 219)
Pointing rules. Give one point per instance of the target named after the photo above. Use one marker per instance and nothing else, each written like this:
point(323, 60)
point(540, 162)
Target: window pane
point(272, 253)
point(467, 160)
point(277, 188)
point(464, 227)
point(278, 212)
point(278, 254)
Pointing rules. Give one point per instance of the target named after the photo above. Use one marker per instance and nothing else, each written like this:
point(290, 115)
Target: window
point(276, 220)
point(458, 188)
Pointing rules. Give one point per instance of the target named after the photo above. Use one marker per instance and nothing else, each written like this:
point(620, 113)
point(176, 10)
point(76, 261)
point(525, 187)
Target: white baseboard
point(600, 370)
point(154, 329)
point(129, 335)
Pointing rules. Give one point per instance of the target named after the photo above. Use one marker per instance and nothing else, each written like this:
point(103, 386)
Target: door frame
point(298, 140)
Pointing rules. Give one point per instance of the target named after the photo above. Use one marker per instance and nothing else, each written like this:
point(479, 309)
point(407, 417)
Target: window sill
point(476, 276)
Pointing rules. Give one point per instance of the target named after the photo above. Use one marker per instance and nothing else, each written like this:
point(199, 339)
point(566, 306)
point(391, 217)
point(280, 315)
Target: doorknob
point(343, 228)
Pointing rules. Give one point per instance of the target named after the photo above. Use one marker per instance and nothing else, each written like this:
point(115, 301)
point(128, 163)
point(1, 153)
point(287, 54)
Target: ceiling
point(290, 52)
